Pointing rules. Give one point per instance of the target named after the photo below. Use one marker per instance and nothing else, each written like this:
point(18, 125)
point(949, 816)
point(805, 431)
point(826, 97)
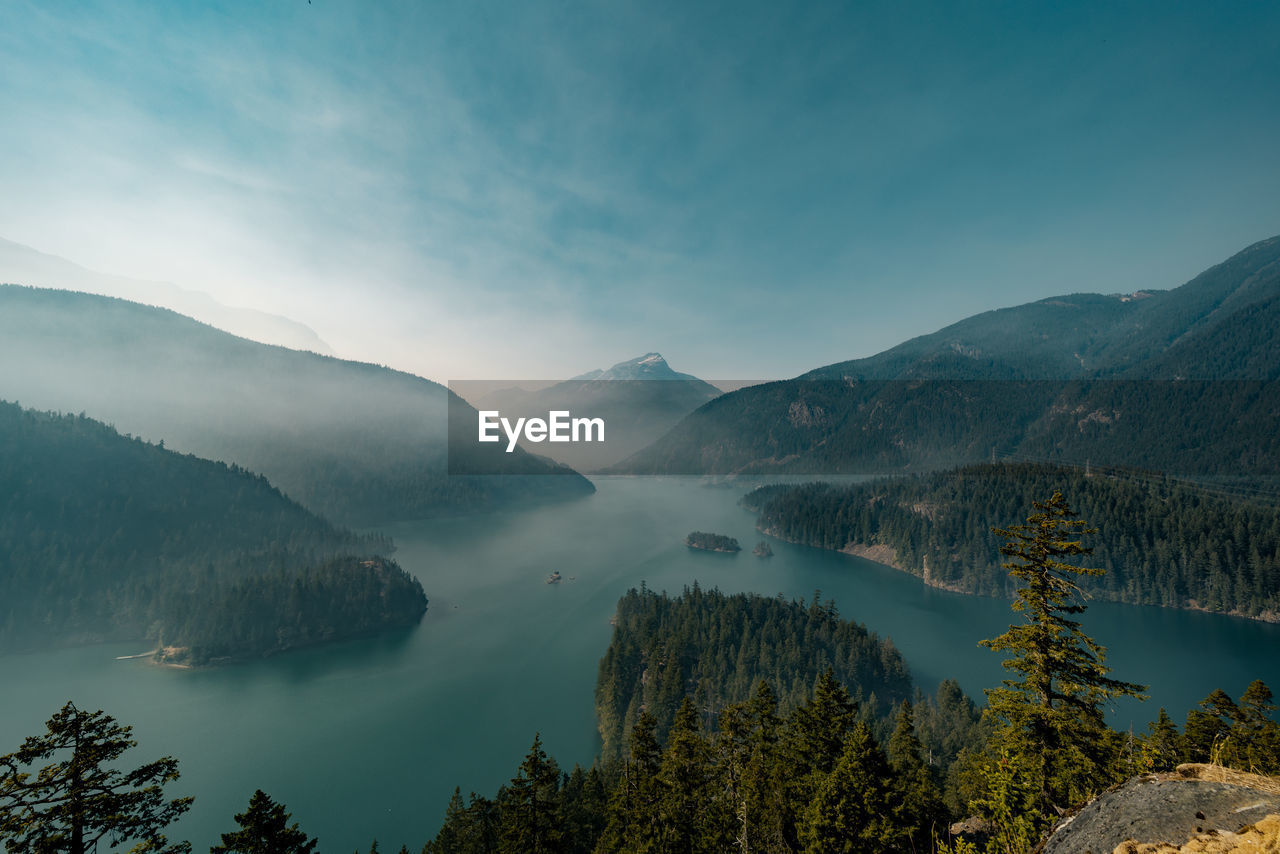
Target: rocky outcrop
point(1165, 812)
point(1260, 838)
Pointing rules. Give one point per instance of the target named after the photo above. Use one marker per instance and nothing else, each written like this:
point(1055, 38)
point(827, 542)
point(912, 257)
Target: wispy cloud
point(491, 188)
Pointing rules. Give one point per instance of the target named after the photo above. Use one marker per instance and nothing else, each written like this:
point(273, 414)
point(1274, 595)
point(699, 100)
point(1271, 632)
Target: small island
point(712, 542)
point(762, 550)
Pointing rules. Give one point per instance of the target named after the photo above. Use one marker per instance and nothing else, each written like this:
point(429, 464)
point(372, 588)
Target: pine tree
point(265, 829)
point(633, 823)
point(1050, 714)
point(1260, 734)
point(816, 736)
point(450, 836)
point(530, 809)
point(1164, 747)
point(72, 804)
point(685, 804)
point(761, 808)
point(583, 809)
point(1209, 729)
point(822, 725)
point(853, 807)
point(919, 806)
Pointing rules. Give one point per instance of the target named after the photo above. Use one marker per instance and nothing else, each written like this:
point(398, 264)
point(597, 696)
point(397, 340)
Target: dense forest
point(715, 647)
point(1161, 542)
point(812, 771)
point(104, 537)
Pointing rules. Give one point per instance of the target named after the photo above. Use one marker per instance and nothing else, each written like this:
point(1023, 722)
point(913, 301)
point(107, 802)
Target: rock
point(1166, 808)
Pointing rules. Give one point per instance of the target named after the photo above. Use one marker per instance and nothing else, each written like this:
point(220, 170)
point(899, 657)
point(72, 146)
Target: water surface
point(368, 739)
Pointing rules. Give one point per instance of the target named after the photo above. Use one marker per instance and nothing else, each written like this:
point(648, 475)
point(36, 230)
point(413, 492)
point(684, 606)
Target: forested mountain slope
point(358, 443)
point(1180, 380)
point(104, 537)
point(1160, 542)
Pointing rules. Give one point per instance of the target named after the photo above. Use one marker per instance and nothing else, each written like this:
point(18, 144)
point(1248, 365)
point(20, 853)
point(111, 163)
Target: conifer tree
point(582, 809)
point(1259, 731)
point(919, 806)
point(815, 738)
point(530, 809)
point(761, 809)
point(853, 807)
point(1164, 747)
point(1208, 729)
point(265, 829)
point(821, 726)
point(634, 824)
point(81, 797)
point(1050, 713)
point(686, 806)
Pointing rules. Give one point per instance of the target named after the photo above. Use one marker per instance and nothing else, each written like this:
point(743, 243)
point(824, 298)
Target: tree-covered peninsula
point(1161, 542)
point(106, 537)
point(715, 647)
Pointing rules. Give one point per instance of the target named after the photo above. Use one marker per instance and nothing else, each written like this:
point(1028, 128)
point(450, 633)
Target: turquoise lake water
point(368, 739)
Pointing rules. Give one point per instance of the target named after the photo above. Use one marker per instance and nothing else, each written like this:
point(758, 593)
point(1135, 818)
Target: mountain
point(639, 400)
point(1068, 378)
point(20, 263)
point(104, 537)
point(358, 443)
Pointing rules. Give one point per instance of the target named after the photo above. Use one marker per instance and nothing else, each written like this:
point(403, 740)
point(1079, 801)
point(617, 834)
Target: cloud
point(479, 187)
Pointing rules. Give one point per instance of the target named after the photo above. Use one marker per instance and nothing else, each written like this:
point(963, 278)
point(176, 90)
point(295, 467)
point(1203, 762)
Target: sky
point(530, 189)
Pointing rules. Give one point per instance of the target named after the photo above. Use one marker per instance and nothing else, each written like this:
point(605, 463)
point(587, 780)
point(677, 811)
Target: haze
point(501, 190)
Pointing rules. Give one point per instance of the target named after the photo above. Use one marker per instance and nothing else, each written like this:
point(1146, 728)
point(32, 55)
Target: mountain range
point(358, 443)
point(19, 263)
point(1180, 380)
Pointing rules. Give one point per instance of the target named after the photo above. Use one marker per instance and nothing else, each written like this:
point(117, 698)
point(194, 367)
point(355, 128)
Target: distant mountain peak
point(650, 366)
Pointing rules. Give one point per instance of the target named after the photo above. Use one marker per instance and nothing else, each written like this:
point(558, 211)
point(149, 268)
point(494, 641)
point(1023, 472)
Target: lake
point(368, 739)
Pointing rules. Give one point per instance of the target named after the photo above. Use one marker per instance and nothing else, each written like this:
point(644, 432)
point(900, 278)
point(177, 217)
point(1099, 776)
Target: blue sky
point(534, 189)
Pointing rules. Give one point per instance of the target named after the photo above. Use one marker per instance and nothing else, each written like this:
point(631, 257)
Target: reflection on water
point(369, 738)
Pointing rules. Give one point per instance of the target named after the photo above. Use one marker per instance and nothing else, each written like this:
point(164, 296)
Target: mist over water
point(383, 729)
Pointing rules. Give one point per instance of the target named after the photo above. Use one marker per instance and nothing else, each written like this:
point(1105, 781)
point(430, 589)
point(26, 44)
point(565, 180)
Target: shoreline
point(887, 556)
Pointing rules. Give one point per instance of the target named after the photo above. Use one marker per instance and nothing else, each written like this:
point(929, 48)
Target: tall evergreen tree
point(757, 800)
point(634, 825)
point(919, 804)
point(686, 807)
point(1164, 747)
point(265, 829)
point(582, 804)
point(530, 810)
point(1259, 731)
point(852, 811)
point(1208, 729)
point(73, 803)
point(1050, 713)
point(815, 737)
point(822, 725)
